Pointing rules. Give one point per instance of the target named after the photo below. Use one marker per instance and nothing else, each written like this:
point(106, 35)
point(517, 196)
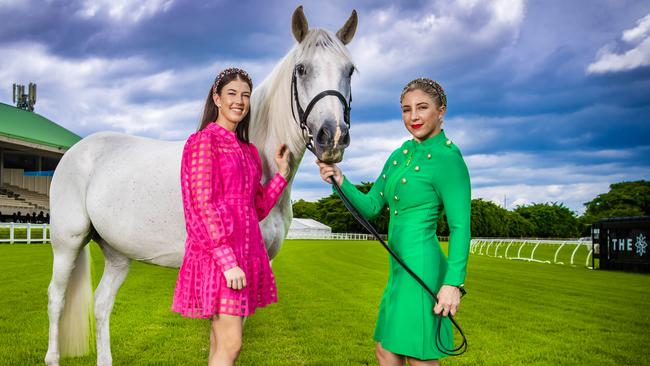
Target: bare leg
point(228, 334)
point(388, 358)
point(116, 267)
point(416, 362)
point(213, 341)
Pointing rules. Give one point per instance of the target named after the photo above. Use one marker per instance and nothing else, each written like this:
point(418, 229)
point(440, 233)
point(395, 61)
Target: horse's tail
point(76, 324)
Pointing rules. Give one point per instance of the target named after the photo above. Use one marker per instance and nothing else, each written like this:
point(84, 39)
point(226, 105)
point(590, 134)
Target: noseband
point(307, 135)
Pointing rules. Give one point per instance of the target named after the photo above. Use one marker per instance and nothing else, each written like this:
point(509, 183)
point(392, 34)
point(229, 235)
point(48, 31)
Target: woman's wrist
point(284, 174)
point(460, 288)
point(342, 178)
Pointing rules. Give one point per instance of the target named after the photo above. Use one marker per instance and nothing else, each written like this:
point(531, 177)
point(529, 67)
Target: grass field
point(515, 313)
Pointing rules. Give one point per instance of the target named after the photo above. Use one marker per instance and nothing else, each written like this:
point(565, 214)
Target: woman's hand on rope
point(282, 160)
point(328, 170)
point(448, 300)
point(235, 278)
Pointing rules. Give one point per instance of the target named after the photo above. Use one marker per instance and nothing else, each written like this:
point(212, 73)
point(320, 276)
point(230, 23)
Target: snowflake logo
point(640, 245)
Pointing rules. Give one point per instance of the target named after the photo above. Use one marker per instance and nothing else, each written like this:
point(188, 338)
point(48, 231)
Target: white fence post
point(29, 239)
point(481, 245)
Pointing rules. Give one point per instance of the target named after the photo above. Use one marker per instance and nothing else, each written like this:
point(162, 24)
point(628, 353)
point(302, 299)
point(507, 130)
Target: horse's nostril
point(345, 140)
point(324, 136)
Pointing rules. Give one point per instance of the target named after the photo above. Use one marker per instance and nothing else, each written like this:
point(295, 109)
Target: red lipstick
point(417, 126)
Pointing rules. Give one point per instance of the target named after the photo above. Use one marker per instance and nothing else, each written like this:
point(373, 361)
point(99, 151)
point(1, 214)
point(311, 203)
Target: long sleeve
point(369, 204)
point(455, 191)
point(198, 174)
point(266, 196)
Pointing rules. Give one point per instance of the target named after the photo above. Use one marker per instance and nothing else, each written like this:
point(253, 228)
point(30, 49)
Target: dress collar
point(437, 139)
point(221, 131)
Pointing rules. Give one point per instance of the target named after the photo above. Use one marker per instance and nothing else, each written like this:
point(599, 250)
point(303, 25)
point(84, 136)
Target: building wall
point(16, 177)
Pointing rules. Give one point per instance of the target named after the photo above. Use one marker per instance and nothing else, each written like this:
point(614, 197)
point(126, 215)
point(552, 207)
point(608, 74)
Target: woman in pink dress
point(225, 273)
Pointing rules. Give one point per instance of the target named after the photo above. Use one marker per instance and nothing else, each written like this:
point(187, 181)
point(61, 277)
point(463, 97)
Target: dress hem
point(200, 315)
point(408, 354)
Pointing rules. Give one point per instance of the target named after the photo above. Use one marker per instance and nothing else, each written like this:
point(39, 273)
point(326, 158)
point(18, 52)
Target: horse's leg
point(116, 267)
point(70, 267)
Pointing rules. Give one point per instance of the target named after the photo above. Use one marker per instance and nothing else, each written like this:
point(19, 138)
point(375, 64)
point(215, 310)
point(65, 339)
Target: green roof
point(32, 127)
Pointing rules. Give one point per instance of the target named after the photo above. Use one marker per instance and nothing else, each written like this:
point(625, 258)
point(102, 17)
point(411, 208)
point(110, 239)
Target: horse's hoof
point(52, 359)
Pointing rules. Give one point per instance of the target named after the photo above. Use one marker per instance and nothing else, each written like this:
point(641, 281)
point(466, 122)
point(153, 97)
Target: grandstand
point(30, 148)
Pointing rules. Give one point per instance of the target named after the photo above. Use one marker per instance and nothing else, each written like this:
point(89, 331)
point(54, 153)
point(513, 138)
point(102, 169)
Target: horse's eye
point(351, 71)
point(301, 69)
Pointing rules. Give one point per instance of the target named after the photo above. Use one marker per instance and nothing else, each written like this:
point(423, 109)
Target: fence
point(332, 236)
point(39, 233)
point(540, 250)
point(11, 232)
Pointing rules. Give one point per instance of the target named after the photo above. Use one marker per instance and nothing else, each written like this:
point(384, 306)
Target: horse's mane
point(271, 120)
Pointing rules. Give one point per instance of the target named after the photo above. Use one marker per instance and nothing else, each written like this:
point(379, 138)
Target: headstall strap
point(304, 114)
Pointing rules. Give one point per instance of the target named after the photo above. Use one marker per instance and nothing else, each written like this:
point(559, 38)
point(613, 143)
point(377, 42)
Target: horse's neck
point(272, 122)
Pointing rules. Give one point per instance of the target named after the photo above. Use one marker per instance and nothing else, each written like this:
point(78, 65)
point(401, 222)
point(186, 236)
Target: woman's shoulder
point(449, 158)
point(200, 135)
point(446, 149)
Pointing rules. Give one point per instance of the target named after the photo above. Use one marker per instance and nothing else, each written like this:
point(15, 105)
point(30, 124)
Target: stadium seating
point(36, 201)
point(23, 193)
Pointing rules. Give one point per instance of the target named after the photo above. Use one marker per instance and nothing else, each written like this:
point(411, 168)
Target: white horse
point(124, 191)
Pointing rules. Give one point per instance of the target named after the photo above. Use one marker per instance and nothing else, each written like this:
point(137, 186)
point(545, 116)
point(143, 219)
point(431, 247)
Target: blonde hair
point(429, 86)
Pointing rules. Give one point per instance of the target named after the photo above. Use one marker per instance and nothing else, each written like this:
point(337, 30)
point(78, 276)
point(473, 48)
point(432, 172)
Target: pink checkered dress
point(224, 202)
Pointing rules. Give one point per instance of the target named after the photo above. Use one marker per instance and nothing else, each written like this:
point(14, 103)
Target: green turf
point(515, 313)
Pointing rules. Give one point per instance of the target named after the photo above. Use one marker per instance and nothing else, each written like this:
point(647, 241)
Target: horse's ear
point(299, 24)
point(346, 32)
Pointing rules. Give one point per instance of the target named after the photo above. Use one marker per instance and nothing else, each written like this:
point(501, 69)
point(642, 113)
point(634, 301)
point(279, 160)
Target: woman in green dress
point(420, 179)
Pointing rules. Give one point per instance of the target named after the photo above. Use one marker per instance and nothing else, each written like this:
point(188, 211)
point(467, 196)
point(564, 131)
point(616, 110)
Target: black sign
point(623, 243)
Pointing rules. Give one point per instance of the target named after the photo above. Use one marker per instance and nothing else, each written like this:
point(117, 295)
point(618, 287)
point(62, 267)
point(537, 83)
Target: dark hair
point(211, 112)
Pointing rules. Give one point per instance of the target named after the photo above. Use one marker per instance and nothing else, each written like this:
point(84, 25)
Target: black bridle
point(309, 138)
point(307, 135)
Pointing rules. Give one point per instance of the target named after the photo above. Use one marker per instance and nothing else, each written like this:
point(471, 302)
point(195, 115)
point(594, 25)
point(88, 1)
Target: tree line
point(541, 220)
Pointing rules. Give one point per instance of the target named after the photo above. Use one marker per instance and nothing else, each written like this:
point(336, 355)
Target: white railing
point(505, 247)
point(332, 236)
point(12, 226)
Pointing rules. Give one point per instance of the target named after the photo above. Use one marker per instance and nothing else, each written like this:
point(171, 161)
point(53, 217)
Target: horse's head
point(320, 90)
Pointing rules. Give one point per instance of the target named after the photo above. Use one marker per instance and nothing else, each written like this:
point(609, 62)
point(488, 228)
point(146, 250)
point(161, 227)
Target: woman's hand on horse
point(448, 300)
point(328, 170)
point(282, 160)
point(235, 278)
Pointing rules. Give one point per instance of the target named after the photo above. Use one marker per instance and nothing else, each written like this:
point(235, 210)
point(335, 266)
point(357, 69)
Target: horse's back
point(129, 187)
point(68, 214)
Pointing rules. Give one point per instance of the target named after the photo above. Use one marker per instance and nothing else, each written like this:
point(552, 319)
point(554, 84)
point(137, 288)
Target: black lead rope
point(456, 351)
point(308, 138)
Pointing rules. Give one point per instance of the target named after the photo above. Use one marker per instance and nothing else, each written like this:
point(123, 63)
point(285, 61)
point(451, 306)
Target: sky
point(549, 101)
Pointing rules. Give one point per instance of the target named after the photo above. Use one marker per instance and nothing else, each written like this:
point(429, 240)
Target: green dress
point(418, 181)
